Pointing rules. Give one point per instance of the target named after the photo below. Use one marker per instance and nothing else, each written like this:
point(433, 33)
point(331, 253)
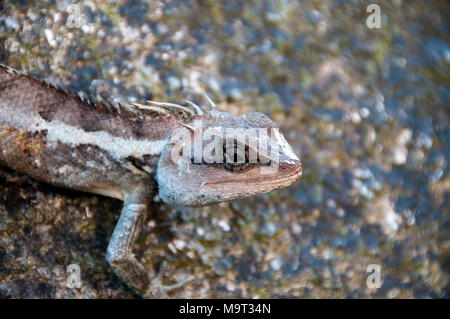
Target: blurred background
point(367, 110)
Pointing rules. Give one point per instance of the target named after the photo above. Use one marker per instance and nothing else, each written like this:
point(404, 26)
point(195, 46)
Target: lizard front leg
point(119, 253)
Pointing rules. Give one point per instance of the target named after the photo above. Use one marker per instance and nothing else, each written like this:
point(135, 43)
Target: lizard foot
point(158, 290)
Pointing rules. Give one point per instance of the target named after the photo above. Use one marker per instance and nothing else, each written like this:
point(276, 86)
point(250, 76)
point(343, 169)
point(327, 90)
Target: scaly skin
point(124, 151)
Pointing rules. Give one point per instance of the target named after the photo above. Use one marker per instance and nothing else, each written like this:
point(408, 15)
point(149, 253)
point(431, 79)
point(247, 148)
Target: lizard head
point(221, 157)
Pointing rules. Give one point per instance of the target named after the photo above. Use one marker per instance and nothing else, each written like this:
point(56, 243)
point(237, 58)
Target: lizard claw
point(157, 290)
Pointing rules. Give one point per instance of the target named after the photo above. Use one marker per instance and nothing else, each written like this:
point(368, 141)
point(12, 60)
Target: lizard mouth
point(251, 182)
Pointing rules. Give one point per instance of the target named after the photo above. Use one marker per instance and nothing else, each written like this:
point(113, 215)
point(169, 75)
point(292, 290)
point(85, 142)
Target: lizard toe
point(158, 290)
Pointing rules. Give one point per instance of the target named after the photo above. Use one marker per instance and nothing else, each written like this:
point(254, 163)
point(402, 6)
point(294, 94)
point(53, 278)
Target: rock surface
point(367, 109)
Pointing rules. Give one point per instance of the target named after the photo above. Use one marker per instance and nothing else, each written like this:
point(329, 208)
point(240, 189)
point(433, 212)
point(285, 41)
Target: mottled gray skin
point(123, 151)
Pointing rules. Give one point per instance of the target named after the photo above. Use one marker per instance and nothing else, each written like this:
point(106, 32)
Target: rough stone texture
point(367, 109)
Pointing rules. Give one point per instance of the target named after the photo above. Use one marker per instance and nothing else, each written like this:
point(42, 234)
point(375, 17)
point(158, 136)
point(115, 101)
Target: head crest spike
point(128, 108)
point(211, 103)
point(197, 108)
point(172, 106)
point(191, 128)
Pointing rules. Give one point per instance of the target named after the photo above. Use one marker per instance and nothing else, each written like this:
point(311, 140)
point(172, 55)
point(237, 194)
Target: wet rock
point(134, 11)
point(367, 111)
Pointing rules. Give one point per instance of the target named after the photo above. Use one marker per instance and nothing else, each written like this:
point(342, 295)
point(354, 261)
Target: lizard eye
point(235, 157)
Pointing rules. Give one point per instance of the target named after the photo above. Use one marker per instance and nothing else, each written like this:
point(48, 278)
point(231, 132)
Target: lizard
point(105, 145)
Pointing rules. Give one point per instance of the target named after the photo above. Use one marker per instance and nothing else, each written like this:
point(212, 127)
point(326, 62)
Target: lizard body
point(126, 151)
